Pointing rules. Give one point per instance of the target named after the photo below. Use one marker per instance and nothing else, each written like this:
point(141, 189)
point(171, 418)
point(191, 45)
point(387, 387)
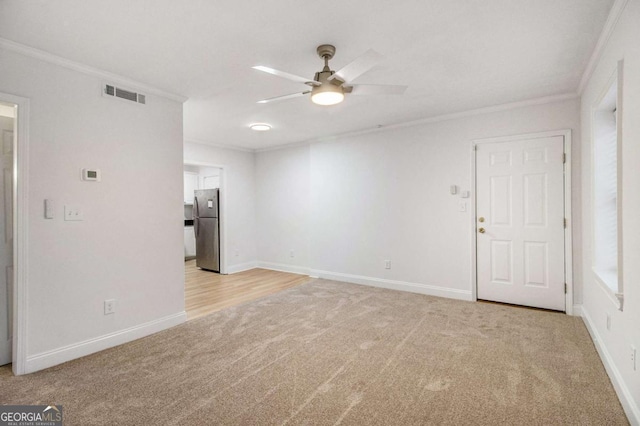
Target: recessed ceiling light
point(260, 127)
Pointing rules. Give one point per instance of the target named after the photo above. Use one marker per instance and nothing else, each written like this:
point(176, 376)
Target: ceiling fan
point(329, 87)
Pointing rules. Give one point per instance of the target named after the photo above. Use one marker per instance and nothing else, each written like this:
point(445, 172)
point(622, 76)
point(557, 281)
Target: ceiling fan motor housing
point(323, 77)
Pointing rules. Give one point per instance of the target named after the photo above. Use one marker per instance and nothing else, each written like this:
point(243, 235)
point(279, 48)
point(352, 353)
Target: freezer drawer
point(207, 243)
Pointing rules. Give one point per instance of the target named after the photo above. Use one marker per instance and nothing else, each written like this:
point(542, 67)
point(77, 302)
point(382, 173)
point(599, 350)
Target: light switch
point(462, 206)
point(73, 213)
point(49, 209)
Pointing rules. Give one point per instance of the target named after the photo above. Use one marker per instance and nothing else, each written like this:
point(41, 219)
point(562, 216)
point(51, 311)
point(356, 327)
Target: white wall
point(209, 177)
point(282, 216)
point(239, 175)
point(614, 344)
point(385, 195)
point(129, 245)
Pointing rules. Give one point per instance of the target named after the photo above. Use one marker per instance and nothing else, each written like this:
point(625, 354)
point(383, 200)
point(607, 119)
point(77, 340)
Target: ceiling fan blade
point(283, 97)
point(359, 66)
point(374, 89)
point(286, 75)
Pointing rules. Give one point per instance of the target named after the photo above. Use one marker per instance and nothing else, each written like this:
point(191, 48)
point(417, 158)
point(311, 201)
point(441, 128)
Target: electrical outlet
point(292, 253)
point(609, 322)
point(387, 264)
point(462, 206)
point(109, 306)
point(634, 359)
point(73, 213)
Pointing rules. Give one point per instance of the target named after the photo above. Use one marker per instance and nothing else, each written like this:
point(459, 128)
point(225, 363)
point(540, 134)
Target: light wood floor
point(207, 292)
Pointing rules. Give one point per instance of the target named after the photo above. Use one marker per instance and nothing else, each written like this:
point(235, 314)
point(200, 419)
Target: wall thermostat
point(91, 174)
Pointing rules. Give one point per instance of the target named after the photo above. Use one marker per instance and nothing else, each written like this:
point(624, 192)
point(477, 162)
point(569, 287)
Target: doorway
point(197, 177)
point(7, 159)
point(522, 205)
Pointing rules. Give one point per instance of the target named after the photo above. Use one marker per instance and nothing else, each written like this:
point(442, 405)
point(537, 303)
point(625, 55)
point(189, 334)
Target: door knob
point(481, 230)
point(481, 219)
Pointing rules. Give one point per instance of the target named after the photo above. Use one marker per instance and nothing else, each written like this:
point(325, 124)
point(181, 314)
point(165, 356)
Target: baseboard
point(241, 267)
point(67, 353)
point(430, 290)
point(577, 310)
point(293, 269)
point(628, 404)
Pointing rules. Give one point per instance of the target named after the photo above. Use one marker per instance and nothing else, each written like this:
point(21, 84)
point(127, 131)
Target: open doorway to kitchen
point(202, 216)
point(204, 233)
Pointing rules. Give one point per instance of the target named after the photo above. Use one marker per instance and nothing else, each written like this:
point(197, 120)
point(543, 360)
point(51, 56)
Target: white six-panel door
point(520, 222)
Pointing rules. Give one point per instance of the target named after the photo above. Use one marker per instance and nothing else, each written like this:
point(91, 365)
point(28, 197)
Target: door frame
point(20, 230)
point(223, 209)
point(568, 256)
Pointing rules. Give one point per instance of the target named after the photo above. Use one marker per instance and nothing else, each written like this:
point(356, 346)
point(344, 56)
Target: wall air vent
point(117, 92)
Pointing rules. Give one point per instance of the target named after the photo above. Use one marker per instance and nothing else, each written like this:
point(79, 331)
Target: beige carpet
point(335, 353)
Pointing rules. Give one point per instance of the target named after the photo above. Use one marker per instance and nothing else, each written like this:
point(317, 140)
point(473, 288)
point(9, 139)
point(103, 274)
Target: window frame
point(616, 295)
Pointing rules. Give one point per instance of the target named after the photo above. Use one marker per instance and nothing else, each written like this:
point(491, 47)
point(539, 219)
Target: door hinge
point(565, 288)
point(564, 158)
point(564, 221)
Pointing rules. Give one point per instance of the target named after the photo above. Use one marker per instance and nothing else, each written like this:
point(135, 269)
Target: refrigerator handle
point(196, 215)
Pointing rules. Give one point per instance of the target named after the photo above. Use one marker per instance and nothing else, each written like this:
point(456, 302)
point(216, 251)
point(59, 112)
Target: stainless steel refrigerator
point(206, 225)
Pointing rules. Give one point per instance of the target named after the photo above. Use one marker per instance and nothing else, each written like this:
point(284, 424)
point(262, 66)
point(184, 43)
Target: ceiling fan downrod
point(326, 52)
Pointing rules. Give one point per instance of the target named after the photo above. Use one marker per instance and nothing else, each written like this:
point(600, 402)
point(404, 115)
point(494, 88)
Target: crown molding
point(218, 145)
point(434, 119)
point(86, 69)
point(605, 35)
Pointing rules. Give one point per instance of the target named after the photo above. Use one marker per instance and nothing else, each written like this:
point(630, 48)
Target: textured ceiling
point(454, 55)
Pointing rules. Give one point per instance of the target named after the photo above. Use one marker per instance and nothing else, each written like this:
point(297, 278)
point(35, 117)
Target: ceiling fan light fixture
point(260, 127)
point(327, 94)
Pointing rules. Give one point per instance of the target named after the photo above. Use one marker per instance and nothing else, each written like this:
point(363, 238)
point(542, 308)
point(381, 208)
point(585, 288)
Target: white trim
point(620, 175)
point(293, 269)
point(241, 267)
point(430, 290)
point(605, 35)
point(218, 145)
point(577, 310)
point(568, 249)
point(568, 230)
point(85, 69)
point(616, 297)
point(20, 232)
point(223, 208)
point(435, 119)
point(67, 353)
point(472, 227)
point(630, 407)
